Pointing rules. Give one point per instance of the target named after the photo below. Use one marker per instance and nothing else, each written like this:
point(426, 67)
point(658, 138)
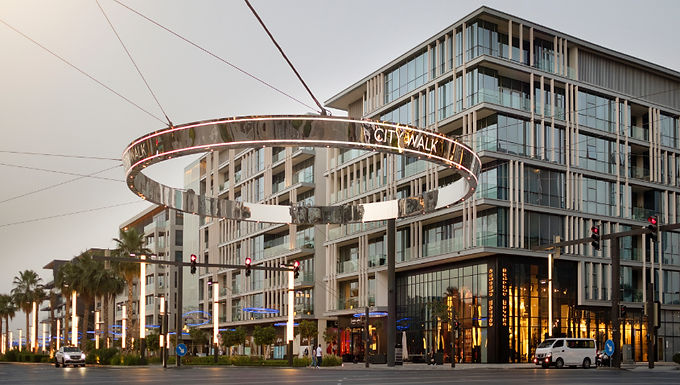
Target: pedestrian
point(318, 356)
point(313, 356)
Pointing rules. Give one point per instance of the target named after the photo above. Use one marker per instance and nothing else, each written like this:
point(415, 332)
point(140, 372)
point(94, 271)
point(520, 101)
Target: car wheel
point(559, 364)
point(586, 363)
point(56, 363)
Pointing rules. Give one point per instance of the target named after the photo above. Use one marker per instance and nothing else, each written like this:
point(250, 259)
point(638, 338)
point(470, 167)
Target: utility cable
point(80, 70)
point(69, 214)
point(212, 54)
point(58, 155)
point(57, 184)
point(60, 172)
point(134, 64)
point(323, 111)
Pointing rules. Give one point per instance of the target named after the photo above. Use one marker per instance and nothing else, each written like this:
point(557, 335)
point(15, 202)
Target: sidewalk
point(639, 366)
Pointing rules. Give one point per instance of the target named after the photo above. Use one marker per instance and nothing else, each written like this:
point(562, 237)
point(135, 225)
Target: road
point(47, 374)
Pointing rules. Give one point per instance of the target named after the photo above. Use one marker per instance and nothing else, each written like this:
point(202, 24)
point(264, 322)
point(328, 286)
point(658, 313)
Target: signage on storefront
point(491, 296)
point(504, 293)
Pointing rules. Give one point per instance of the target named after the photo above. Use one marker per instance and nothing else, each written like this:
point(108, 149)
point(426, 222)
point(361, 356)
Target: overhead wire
point(57, 184)
point(61, 172)
point(59, 155)
point(205, 50)
point(70, 213)
point(148, 87)
point(323, 111)
point(80, 70)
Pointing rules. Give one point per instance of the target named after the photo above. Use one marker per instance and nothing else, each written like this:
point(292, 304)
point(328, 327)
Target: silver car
point(69, 355)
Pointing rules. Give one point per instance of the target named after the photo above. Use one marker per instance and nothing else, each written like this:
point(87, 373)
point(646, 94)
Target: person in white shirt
point(318, 356)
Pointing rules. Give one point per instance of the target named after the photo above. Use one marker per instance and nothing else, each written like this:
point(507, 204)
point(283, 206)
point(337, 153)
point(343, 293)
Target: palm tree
point(129, 242)
point(64, 281)
point(24, 293)
point(7, 311)
point(85, 282)
point(109, 284)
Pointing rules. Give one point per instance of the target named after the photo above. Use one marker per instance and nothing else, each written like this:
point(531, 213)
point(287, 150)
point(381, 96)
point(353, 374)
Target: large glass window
point(348, 259)
point(668, 128)
point(482, 39)
point(544, 187)
point(544, 55)
point(503, 134)
point(493, 182)
point(407, 77)
point(348, 296)
point(303, 172)
point(599, 197)
point(540, 229)
point(597, 154)
point(486, 85)
point(596, 112)
point(446, 100)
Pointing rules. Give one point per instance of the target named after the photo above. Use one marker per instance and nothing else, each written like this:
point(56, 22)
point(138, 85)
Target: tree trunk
point(27, 313)
point(105, 309)
point(7, 341)
point(128, 333)
point(86, 320)
point(53, 323)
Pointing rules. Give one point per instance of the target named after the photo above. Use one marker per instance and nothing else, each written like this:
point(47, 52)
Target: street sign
point(609, 348)
point(181, 350)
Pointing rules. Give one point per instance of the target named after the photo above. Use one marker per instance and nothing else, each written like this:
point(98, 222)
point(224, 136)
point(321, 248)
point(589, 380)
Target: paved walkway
point(639, 366)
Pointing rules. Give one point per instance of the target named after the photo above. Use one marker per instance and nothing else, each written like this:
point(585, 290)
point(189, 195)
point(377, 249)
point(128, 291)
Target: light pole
point(96, 329)
point(123, 327)
point(74, 319)
point(164, 330)
point(34, 328)
point(216, 318)
point(20, 337)
point(142, 307)
point(44, 335)
point(58, 333)
point(290, 333)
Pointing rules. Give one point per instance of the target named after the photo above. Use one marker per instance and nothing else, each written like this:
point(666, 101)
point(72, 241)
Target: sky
point(47, 106)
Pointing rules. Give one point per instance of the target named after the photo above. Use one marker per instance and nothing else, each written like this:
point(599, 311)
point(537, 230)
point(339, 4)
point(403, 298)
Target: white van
point(566, 351)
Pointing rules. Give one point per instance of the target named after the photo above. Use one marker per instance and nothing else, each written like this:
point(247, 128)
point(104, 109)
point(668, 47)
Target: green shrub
point(275, 363)
point(240, 360)
point(331, 360)
point(676, 358)
point(132, 359)
point(116, 359)
point(12, 356)
point(300, 362)
point(105, 354)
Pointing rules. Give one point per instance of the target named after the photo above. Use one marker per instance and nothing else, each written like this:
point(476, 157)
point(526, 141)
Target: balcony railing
point(348, 303)
point(377, 260)
point(347, 267)
point(641, 214)
point(639, 133)
point(639, 173)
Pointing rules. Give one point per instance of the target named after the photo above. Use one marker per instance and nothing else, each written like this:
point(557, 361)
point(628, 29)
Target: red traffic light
point(248, 261)
point(652, 220)
point(296, 264)
point(193, 257)
point(595, 230)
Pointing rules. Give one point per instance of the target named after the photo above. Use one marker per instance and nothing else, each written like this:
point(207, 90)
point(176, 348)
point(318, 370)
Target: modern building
point(286, 176)
point(571, 135)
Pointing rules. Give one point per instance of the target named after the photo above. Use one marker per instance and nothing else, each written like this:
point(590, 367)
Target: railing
point(639, 173)
point(442, 247)
point(348, 303)
point(306, 278)
point(641, 214)
point(277, 250)
point(278, 187)
point(347, 267)
point(377, 260)
point(639, 133)
point(278, 156)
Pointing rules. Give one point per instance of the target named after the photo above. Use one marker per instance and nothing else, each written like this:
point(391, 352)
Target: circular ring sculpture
point(293, 131)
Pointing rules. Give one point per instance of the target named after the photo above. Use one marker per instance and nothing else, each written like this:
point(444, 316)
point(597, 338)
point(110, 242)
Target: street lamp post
point(290, 333)
point(58, 333)
point(74, 319)
point(96, 329)
point(216, 318)
point(44, 335)
point(164, 327)
point(123, 327)
point(34, 328)
point(142, 307)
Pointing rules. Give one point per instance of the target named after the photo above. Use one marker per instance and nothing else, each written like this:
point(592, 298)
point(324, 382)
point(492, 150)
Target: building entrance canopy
point(299, 130)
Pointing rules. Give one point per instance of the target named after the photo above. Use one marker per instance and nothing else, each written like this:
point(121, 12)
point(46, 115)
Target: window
point(406, 77)
point(348, 257)
point(558, 344)
point(179, 238)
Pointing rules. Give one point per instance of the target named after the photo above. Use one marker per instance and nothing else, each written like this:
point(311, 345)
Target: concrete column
point(510, 39)
point(521, 44)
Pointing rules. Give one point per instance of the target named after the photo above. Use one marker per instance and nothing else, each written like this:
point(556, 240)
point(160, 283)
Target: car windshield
point(546, 344)
point(71, 350)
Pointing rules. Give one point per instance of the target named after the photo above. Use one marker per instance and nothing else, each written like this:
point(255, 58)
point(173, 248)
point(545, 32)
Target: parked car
point(566, 352)
point(69, 355)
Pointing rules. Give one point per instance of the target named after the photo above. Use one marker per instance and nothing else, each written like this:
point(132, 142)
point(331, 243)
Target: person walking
point(318, 356)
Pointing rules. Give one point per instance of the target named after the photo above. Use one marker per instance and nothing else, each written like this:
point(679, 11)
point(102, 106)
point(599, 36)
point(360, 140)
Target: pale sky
point(48, 107)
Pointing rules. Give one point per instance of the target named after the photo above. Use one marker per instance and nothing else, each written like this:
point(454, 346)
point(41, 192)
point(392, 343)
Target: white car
point(69, 355)
point(563, 352)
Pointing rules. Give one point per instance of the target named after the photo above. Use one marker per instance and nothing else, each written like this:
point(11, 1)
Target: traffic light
point(654, 226)
point(296, 268)
point(623, 311)
point(248, 262)
point(595, 235)
point(193, 263)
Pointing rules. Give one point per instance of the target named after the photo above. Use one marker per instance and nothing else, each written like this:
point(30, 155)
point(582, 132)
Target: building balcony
point(640, 133)
point(377, 260)
point(347, 267)
point(348, 303)
point(639, 173)
point(641, 213)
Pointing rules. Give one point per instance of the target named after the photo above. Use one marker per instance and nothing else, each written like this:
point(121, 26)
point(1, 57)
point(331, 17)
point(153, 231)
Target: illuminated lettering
point(379, 138)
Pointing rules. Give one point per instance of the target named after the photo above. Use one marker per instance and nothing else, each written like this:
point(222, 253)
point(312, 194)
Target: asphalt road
point(47, 374)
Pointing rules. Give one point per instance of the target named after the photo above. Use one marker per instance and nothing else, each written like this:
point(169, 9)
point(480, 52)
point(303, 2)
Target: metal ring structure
point(303, 131)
